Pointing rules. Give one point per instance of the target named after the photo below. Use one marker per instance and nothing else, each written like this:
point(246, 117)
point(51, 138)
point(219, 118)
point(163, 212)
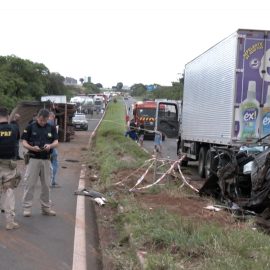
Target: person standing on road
point(141, 134)
point(8, 168)
point(157, 141)
point(15, 121)
point(39, 138)
point(54, 154)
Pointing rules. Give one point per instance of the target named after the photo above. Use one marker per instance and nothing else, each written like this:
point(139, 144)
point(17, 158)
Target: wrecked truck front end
point(241, 177)
point(259, 198)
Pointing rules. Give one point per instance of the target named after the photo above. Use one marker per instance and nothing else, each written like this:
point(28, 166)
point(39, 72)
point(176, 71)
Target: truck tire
point(210, 163)
point(202, 158)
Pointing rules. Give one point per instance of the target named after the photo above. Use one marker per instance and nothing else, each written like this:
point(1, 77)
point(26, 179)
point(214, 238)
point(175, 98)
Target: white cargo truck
point(226, 99)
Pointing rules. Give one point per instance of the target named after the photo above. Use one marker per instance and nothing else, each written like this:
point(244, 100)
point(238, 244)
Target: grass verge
point(112, 150)
point(169, 240)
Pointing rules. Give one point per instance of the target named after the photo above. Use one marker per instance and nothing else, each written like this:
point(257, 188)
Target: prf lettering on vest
point(5, 133)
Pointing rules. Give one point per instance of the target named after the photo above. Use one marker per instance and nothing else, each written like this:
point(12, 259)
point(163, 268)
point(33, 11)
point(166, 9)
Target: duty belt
point(45, 158)
point(5, 161)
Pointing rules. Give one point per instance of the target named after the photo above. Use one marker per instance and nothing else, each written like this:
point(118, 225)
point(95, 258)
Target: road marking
point(79, 250)
point(93, 119)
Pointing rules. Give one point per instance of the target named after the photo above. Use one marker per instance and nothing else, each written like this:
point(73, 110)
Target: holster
point(26, 158)
point(12, 182)
point(16, 180)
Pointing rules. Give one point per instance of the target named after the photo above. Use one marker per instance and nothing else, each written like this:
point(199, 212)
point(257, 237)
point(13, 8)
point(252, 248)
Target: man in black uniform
point(39, 138)
point(9, 178)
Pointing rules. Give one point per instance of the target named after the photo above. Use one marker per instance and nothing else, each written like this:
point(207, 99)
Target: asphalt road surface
point(44, 242)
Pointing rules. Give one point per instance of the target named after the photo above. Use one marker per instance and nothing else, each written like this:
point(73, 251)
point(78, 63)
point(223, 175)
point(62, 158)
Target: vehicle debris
point(212, 208)
point(94, 195)
point(238, 178)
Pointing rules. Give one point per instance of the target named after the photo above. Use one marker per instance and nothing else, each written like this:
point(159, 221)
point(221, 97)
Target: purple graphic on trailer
point(250, 57)
point(252, 84)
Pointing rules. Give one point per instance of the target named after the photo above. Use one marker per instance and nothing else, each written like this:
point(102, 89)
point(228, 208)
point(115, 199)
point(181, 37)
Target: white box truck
point(226, 99)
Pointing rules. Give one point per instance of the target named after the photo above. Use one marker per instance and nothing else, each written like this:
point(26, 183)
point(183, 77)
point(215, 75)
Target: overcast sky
point(142, 41)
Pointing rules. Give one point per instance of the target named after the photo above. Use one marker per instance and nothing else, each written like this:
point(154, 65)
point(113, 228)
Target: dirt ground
point(187, 204)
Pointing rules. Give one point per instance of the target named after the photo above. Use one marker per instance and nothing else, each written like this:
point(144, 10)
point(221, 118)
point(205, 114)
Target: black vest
point(39, 137)
point(8, 141)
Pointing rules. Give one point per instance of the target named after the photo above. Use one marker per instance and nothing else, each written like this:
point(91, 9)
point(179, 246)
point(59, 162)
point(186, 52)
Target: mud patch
point(190, 207)
point(72, 160)
point(185, 204)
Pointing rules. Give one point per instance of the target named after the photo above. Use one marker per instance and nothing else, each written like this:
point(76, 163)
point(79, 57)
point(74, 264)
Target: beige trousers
point(6, 191)
point(37, 168)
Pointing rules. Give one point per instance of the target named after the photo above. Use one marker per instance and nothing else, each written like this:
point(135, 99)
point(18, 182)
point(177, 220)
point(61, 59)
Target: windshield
point(79, 117)
point(147, 112)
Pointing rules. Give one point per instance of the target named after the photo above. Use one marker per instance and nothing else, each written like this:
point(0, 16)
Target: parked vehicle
point(225, 122)
point(98, 103)
point(144, 112)
point(80, 122)
point(226, 100)
point(87, 106)
point(167, 112)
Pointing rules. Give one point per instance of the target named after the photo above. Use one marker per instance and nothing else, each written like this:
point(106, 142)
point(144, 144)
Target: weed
point(171, 241)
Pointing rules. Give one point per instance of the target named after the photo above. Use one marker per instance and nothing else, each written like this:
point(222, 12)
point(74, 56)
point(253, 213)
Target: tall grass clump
point(114, 151)
point(172, 240)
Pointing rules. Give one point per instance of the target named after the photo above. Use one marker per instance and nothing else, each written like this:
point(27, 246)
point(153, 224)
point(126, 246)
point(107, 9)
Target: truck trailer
point(226, 99)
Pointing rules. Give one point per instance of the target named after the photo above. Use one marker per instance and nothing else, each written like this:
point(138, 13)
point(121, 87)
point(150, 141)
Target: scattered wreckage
point(93, 195)
point(242, 179)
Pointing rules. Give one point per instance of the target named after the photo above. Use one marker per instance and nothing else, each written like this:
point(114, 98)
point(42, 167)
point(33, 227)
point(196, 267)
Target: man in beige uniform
point(39, 138)
point(9, 178)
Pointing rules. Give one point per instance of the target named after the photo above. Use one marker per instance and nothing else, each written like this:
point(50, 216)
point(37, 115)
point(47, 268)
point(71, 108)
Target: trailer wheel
point(202, 157)
point(210, 163)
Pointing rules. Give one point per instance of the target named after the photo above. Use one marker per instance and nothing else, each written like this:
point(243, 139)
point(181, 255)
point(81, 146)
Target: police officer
point(54, 154)
point(39, 138)
point(9, 177)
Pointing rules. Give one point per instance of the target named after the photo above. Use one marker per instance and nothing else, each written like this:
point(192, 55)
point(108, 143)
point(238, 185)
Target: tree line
point(22, 80)
point(174, 92)
point(25, 80)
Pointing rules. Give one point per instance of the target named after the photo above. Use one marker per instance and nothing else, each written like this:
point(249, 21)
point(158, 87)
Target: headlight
point(248, 167)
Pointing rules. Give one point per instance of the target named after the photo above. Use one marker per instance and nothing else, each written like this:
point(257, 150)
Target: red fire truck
point(144, 112)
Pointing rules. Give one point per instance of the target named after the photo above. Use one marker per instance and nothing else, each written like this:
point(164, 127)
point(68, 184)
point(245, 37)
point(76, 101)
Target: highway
point(47, 243)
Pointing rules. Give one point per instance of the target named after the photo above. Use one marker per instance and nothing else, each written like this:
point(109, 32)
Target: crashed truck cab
point(238, 175)
point(241, 177)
